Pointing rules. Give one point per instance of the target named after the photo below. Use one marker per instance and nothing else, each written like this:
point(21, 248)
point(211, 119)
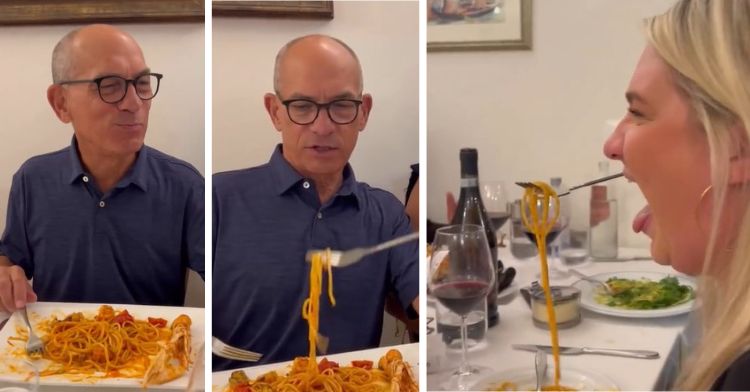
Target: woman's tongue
point(642, 219)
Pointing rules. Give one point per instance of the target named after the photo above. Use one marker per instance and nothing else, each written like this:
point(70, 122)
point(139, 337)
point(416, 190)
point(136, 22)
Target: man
point(306, 197)
point(106, 219)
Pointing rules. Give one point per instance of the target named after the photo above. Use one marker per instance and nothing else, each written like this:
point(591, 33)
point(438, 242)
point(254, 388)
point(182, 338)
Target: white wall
point(385, 37)
point(29, 127)
point(540, 113)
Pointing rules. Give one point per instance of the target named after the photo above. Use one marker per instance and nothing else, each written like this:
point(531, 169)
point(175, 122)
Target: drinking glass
point(495, 199)
point(562, 222)
point(461, 274)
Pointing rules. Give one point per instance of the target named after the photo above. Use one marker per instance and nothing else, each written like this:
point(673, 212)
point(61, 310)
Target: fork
point(592, 280)
point(229, 352)
point(585, 184)
point(34, 346)
point(351, 256)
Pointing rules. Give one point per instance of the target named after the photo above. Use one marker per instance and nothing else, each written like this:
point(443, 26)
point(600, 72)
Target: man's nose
point(323, 125)
point(131, 101)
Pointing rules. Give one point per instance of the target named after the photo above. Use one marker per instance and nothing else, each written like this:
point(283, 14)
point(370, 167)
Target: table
point(595, 330)
point(410, 352)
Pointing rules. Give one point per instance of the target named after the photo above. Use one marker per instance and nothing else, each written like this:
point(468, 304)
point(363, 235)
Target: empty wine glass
point(461, 275)
point(553, 259)
point(495, 199)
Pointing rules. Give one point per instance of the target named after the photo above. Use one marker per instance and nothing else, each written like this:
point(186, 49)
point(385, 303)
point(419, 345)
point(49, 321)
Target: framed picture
point(20, 12)
point(275, 9)
point(478, 25)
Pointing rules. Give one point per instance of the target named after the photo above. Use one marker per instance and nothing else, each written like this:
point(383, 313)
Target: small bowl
point(566, 301)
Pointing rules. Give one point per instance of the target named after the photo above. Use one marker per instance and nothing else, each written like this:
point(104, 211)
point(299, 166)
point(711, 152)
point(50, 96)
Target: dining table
point(409, 352)
point(595, 329)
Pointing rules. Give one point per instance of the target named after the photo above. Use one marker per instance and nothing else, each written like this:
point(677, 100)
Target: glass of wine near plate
point(495, 199)
point(461, 274)
point(553, 256)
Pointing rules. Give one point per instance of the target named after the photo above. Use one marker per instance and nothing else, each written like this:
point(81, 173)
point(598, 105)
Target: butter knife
point(588, 350)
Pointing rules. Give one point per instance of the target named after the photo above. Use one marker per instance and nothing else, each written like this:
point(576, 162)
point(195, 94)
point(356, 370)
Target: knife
point(588, 350)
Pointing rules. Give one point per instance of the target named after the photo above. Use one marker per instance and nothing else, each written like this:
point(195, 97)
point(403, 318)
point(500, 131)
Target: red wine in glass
point(551, 235)
point(498, 219)
point(461, 296)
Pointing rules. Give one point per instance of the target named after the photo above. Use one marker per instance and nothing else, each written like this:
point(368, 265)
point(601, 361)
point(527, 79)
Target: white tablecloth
point(595, 330)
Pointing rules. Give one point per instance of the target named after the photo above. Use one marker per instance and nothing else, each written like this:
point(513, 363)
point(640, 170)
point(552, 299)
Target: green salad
point(644, 293)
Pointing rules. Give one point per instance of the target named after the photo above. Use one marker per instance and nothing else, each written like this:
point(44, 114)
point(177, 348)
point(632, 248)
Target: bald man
point(306, 197)
point(106, 219)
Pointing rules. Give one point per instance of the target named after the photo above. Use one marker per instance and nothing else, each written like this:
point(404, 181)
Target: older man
point(306, 197)
point(106, 219)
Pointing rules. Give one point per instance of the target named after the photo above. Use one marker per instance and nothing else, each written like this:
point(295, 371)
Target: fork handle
point(393, 242)
point(622, 353)
point(25, 316)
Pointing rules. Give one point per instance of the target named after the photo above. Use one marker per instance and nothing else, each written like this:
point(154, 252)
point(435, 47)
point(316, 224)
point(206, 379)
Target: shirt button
point(320, 215)
point(305, 184)
point(85, 179)
point(101, 203)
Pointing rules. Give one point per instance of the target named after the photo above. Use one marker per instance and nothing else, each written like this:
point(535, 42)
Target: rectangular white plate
point(42, 310)
point(410, 352)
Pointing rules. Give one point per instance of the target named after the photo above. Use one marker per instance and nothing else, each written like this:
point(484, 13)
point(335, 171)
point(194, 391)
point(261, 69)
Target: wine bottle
point(470, 210)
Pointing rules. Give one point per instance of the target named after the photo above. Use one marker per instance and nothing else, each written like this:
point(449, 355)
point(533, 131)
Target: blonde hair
point(707, 43)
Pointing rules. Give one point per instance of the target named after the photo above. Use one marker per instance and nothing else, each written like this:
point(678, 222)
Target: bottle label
point(469, 182)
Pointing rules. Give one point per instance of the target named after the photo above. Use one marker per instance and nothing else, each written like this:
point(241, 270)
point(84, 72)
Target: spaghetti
point(307, 374)
point(115, 345)
point(534, 196)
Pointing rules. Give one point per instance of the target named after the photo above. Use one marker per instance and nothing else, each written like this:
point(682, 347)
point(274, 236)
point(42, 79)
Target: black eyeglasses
point(112, 89)
point(305, 111)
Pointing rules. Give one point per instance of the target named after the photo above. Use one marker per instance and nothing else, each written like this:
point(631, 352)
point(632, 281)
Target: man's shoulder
point(43, 162)
point(378, 195)
point(175, 168)
point(239, 179)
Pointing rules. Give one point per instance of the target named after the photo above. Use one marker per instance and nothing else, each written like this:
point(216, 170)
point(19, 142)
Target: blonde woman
point(685, 142)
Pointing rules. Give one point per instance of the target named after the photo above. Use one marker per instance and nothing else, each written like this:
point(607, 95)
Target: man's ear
point(274, 109)
point(58, 102)
point(739, 160)
point(366, 107)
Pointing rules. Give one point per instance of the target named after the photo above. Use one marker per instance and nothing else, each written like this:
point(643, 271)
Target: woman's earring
point(698, 209)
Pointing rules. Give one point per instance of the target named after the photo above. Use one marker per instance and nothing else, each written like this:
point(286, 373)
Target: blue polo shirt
point(130, 246)
point(264, 220)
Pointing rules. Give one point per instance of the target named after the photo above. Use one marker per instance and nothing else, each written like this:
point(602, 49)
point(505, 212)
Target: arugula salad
point(644, 294)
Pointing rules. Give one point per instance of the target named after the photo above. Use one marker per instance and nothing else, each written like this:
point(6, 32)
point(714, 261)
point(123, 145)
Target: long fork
point(229, 352)
point(34, 346)
point(351, 256)
point(585, 184)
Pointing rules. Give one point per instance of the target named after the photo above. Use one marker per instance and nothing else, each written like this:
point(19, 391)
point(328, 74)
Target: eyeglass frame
point(98, 82)
point(327, 105)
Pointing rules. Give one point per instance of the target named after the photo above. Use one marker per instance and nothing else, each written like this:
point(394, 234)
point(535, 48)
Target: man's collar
point(137, 174)
point(286, 177)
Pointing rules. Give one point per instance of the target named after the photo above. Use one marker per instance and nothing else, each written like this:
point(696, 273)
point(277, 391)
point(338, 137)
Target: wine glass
point(562, 222)
point(461, 275)
point(495, 199)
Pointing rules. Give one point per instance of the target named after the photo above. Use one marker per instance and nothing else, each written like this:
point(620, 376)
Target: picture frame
point(275, 9)
point(37, 12)
point(470, 25)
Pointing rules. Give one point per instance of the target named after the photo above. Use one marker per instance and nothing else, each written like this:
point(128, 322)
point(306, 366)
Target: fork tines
point(226, 351)
point(528, 185)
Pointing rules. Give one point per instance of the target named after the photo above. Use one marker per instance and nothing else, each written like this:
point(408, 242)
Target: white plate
point(410, 353)
point(525, 380)
point(42, 310)
point(588, 291)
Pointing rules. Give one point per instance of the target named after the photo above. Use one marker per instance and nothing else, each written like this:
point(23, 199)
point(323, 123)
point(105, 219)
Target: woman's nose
point(613, 144)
